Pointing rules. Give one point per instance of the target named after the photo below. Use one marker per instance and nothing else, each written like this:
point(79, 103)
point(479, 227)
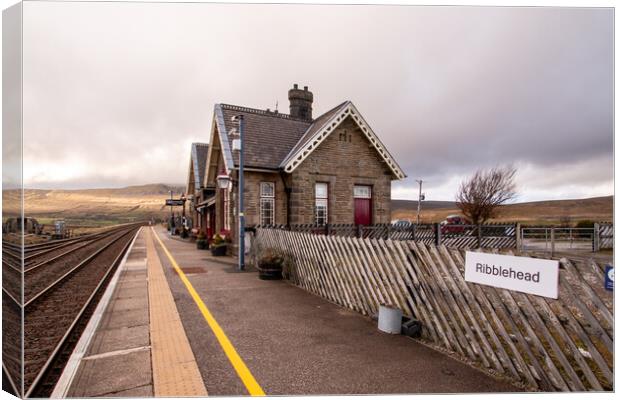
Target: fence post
point(389, 227)
point(596, 239)
point(479, 236)
point(359, 231)
point(518, 236)
point(437, 234)
point(552, 241)
point(413, 227)
point(327, 229)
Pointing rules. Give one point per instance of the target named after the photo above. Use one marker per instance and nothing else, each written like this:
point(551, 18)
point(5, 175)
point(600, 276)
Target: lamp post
point(223, 182)
point(171, 215)
point(241, 186)
point(183, 219)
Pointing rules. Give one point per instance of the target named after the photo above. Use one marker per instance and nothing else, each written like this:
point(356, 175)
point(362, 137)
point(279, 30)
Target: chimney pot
point(300, 102)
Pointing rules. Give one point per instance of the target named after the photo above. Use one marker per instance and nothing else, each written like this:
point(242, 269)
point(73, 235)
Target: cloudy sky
point(114, 93)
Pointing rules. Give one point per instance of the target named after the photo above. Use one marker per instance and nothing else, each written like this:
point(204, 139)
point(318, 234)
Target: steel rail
point(19, 303)
point(11, 265)
point(72, 270)
point(44, 262)
point(54, 245)
point(16, 392)
point(10, 253)
point(33, 386)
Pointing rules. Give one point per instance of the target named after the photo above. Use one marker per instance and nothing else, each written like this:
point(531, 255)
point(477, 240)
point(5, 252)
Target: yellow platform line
point(175, 372)
point(242, 370)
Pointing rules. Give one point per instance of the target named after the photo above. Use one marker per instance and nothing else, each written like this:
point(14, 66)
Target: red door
point(362, 197)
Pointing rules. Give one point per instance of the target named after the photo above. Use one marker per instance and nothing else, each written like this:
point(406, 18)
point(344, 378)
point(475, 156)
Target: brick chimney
point(300, 102)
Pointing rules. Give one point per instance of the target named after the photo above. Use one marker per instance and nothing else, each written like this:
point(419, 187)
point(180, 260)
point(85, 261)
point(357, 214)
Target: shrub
point(201, 241)
point(217, 239)
point(585, 223)
point(271, 259)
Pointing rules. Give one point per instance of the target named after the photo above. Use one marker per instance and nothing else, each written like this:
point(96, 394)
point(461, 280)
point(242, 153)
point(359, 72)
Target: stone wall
point(346, 158)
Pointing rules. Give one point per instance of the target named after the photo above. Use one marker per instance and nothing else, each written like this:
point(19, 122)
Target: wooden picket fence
point(541, 343)
point(497, 236)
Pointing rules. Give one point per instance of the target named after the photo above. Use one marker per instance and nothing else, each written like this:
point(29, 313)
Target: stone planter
point(219, 250)
point(269, 271)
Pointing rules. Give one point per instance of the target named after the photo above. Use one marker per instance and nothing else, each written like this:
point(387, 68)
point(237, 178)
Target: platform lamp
point(238, 146)
point(171, 214)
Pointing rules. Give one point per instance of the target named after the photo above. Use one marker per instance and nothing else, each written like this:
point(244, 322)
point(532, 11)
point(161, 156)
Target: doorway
point(362, 198)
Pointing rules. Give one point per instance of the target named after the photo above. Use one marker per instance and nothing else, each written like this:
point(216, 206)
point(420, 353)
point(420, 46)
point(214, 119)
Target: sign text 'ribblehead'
point(523, 274)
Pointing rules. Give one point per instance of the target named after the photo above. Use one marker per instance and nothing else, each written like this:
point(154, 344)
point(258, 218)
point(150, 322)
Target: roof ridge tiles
point(263, 112)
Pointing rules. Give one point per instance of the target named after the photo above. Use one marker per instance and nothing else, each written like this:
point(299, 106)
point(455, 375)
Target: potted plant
point(201, 241)
point(219, 245)
point(270, 265)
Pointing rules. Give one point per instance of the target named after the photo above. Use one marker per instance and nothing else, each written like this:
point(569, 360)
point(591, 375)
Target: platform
point(183, 323)
point(139, 347)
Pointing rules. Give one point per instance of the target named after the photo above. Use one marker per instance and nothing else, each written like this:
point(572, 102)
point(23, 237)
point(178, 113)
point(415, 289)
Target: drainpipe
point(288, 191)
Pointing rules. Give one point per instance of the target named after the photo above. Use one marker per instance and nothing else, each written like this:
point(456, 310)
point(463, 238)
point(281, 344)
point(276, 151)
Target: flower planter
point(270, 271)
point(218, 250)
point(202, 244)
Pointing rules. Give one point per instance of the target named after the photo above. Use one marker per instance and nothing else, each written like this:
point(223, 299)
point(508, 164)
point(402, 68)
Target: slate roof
point(274, 141)
point(199, 162)
point(268, 137)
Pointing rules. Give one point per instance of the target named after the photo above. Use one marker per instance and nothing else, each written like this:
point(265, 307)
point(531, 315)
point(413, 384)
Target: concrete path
point(117, 361)
point(296, 343)
point(139, 348)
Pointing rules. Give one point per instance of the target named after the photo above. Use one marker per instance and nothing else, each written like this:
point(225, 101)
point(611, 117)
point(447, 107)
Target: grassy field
point(104, 207)
point(92, 207)
point(533, 213)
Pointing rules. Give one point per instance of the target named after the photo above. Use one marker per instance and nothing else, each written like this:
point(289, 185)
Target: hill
point(428, 205)
point(538, 212)
point(91, 206)
point(96, 207)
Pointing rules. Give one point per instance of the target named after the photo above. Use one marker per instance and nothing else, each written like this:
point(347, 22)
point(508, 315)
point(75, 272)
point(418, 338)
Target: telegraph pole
point(419, 201)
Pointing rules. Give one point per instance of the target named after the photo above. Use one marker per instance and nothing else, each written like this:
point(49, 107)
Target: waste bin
point(390, 319)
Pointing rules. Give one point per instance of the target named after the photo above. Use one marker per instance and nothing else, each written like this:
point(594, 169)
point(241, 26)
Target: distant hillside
point(92, 206)
point(108, 206)
point(139, 190)
point(548, 212)
point(413, 204)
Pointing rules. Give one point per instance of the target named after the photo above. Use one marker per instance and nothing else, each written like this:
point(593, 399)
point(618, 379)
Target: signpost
point(523, 274)
point(175, 202)
point(609, 277)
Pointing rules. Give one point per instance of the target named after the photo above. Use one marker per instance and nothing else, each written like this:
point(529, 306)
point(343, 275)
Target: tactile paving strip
point(175, 372)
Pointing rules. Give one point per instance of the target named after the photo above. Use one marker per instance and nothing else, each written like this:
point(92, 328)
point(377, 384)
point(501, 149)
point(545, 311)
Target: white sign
point(523, 274)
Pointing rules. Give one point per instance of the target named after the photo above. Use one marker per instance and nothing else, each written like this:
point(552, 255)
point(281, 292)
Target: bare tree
point(479, 196)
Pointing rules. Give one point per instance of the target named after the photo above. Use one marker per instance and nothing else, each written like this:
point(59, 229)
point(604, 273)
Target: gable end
point(295, 159)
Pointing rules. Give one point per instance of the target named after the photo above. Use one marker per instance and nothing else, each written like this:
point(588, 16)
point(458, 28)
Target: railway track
point(36, 253)
point(62, 286)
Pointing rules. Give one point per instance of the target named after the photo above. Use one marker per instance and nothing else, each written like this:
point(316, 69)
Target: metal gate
point(552, 240)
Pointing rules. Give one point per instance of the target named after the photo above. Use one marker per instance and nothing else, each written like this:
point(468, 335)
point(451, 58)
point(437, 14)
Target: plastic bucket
point(390, 319)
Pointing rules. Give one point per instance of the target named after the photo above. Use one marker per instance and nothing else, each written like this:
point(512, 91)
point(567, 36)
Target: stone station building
point(332, 169)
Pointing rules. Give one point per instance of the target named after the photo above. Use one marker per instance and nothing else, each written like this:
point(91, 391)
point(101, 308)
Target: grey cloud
point(448, 89)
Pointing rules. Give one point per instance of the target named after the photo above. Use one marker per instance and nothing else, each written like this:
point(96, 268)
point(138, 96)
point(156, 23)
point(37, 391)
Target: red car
point(454, 224)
